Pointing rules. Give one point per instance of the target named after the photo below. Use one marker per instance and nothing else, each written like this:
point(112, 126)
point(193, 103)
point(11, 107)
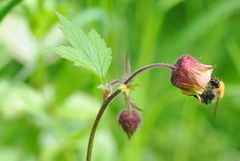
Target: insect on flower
point(194, 79)
point(213, 91)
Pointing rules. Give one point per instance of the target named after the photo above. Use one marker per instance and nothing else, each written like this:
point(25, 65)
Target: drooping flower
point(130, 121)
point(191, 76)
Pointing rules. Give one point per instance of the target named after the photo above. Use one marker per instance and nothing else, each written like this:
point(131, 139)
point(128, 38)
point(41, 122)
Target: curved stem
point(96, 122)
point(155, 65)
point(112, 96)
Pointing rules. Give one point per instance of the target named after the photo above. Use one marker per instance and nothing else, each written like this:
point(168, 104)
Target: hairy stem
point(112, 96)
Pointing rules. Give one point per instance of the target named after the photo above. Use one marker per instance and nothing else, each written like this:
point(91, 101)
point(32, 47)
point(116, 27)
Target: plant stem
point(114, 83)
point(112, 96)
point(150, 66)
point(96, 122)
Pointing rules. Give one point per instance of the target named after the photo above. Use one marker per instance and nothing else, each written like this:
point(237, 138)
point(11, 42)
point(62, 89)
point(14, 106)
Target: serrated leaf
point(88, 49)
point(72, 54)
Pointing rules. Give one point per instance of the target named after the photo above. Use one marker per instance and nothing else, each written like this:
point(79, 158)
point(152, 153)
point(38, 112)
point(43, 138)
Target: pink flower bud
point(130, 121)
point(190, 75)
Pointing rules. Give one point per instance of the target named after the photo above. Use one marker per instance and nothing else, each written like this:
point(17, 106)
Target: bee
point(213, 91)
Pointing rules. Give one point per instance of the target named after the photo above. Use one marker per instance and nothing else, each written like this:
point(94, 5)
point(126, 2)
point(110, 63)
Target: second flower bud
point(130, 121)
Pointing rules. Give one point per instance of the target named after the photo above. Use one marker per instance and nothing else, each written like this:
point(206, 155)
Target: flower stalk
point(110, 97)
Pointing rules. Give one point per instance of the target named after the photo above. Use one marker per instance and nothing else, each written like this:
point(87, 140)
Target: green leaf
point(6, 9)
point(88, 49)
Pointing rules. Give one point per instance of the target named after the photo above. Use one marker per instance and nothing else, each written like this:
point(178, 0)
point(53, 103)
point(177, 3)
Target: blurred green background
point(47, 105)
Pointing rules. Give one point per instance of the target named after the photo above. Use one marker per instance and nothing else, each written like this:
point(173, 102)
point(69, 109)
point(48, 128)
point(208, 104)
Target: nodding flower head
point(130, 121)
point(190, 75)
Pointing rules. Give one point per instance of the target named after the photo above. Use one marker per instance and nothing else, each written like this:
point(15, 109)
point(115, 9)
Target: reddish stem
point(112, 96)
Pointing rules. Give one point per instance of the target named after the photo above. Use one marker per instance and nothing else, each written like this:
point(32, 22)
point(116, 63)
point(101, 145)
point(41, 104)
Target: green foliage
point(52, 121)
point(8, 7)
point(88, 49)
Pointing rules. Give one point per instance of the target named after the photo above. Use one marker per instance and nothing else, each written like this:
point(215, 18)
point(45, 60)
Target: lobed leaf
point(88, 49)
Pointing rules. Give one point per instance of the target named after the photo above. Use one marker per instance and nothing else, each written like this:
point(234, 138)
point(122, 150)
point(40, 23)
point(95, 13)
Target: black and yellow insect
point(213, 91)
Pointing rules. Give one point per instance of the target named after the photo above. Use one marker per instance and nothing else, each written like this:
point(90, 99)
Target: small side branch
point(112, 96)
